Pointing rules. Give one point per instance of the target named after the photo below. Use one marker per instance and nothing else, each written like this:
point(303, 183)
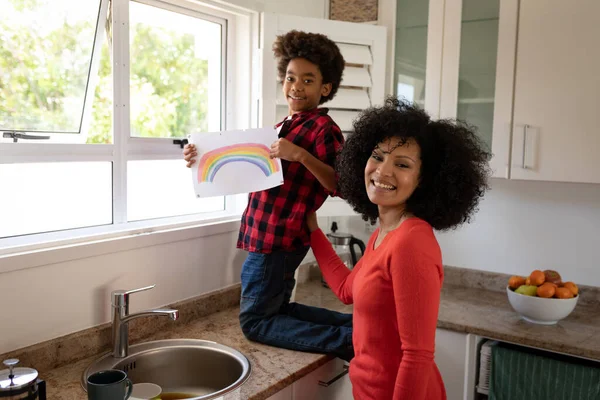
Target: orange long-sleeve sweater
point(395, 289)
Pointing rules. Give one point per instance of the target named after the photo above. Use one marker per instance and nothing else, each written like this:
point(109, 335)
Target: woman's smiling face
point(392, 172)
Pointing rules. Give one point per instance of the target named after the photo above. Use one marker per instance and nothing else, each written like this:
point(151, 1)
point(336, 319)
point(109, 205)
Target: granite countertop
point(488, 313)
point(464, 309)
point(272, 368)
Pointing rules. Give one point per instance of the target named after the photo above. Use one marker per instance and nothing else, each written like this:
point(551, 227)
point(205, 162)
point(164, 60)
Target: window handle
point(16, 136)
point(180, 142)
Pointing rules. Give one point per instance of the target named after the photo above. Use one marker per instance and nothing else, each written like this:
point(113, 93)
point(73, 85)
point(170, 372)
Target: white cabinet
point(450, 350)
point(285, 394)
point(456, 358)
point(328, 382)
point(556, 130)
point(523, 72)
point(477, 78)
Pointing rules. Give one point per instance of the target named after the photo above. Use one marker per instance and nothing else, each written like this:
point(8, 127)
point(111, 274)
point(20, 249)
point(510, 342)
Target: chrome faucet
point(121, 317)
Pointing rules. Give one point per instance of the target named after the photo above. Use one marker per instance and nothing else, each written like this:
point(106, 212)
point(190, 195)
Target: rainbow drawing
point(253, 153)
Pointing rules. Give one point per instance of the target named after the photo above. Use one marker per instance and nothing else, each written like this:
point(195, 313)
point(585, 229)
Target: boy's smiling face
point(303, 85)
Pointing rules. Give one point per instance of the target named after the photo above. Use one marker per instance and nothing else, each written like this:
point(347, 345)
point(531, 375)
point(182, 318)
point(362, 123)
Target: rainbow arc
point(254, 153)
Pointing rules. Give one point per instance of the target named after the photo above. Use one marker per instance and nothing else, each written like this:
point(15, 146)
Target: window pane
point(477, 72)
point(99, 130)
point(163, 188)
point(411, 50)
point(47, 197)
point(175, 73)
point(45, 54)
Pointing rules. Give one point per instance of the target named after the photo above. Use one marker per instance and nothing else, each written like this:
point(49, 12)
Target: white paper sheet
point(233, 162)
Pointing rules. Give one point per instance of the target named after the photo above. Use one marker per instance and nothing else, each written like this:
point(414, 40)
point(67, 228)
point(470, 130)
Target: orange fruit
point(563, 293)
point(516, 281)
point(572, 287)
point(547, 290)
point(528, 281)
point(537, 277)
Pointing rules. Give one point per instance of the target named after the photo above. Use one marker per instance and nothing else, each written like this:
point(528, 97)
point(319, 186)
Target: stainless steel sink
point(205, 369)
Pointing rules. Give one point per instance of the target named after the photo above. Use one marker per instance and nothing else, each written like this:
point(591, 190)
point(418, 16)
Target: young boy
point(273, 228)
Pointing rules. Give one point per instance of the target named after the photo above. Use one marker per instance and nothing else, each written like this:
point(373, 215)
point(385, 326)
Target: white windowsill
point(114, 240)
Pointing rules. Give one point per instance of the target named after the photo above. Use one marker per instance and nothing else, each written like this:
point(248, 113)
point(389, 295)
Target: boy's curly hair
point(314, 47)
point(454, 163)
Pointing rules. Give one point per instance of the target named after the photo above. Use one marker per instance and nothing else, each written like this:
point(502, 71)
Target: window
point(177, 70)
point(95, 94)
point(33, 196)
point(47, 49)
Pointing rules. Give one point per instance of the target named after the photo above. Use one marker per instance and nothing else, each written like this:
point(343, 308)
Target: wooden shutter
point(363, 83)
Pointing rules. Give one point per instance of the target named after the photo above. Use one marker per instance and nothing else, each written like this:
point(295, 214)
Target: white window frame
point(240, 45)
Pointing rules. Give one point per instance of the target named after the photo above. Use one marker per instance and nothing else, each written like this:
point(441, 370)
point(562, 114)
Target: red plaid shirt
point(275, 219)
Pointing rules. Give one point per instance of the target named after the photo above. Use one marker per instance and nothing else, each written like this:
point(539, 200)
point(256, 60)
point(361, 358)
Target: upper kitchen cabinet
point(556, 129)
point(446, 57)
point(411, 50)
point(478, 71)
point(523, 72)
point(476, 82)
point(417, 49)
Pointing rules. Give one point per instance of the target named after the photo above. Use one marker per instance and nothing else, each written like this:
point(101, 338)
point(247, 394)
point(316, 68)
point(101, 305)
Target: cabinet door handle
point(525, 127)
point(335, 378)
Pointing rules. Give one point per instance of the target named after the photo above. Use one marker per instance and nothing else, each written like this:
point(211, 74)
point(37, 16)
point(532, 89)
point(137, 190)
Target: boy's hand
point(311, 221)
point(189, 151)
point(286, 150)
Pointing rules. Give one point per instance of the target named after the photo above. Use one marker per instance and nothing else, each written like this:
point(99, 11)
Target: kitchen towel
point(520, 373)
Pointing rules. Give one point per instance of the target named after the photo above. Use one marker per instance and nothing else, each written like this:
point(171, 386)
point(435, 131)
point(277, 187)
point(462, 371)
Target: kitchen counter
point(464, 309)
point(272, 368)
point(489, 314)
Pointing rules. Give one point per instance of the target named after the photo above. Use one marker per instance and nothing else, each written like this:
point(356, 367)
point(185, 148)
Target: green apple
point(527, 290)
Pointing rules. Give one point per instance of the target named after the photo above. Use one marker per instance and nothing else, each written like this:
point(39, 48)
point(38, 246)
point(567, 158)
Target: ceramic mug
point(111, 384)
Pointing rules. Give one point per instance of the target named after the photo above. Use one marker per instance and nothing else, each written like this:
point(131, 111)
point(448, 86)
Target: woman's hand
point(286, 150)
point(189, 152)
point(311, 221)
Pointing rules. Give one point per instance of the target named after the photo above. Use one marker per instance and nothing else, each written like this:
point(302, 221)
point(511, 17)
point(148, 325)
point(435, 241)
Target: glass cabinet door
point(411, 50)
point(477, 65)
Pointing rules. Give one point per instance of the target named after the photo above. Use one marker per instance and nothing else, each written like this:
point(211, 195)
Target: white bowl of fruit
point(542, 297)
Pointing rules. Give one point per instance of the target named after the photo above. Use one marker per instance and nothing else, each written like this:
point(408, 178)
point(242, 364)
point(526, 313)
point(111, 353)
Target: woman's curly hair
point(454, 163)
point(314, 47)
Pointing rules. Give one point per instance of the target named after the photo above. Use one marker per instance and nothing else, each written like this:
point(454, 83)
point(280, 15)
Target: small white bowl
point(540, 310)
point(145, 391)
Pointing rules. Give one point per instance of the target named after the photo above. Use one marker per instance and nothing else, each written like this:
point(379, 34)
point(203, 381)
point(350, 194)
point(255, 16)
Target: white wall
point(54, 300)
point(522, 226)
point(304, 8)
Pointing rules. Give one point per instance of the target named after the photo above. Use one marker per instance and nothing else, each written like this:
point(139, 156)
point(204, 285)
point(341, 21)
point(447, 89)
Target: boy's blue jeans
point(267, 316)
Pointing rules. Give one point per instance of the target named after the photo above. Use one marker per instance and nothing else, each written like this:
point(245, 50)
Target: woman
point(413, 175)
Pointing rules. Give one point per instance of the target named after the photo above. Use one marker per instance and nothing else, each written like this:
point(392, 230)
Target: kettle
point(20, 383)
point(343, 244)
